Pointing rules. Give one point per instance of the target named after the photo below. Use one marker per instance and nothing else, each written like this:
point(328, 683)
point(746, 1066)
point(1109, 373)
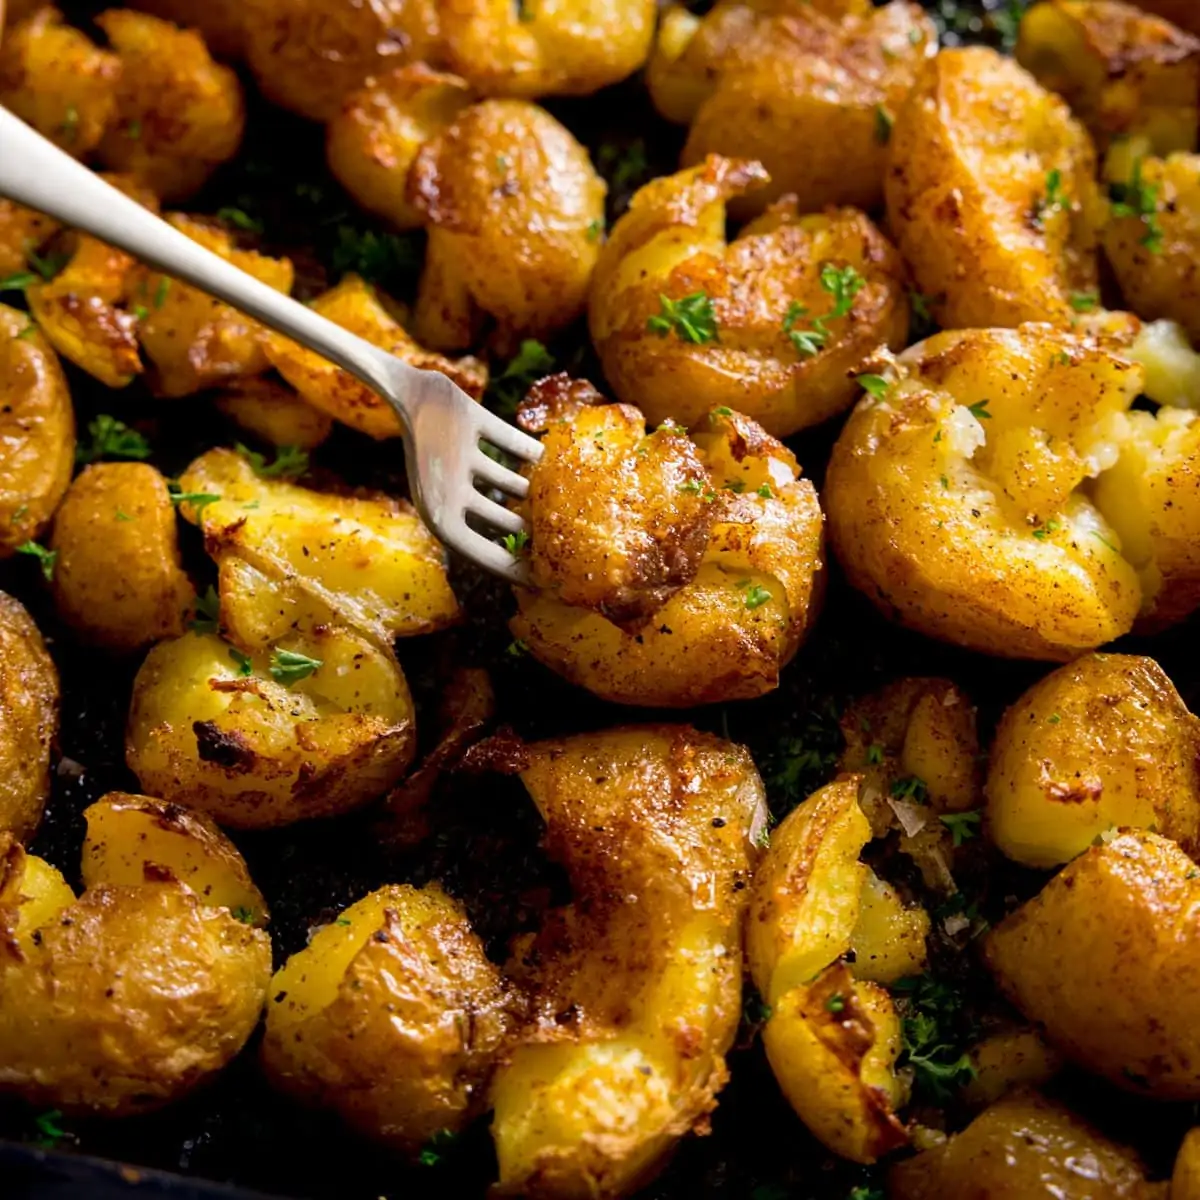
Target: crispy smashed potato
point(372, 141)
point(179, 114)
point(367, 558)
point(1022, 1146)
point(356, 306)
point(392, 1016)
point(1122, 71)
point(118, 581)
point(37, 431)
point(1104, 742)
point(1115, 926)
point(709, 553)
point(655, 827)
point(193, 339)
point(87, 1023)
point(796, 303)
point(545, 47)
point(828, 84)
point(1185, 1176)
point(21, 230)
point(220, 21)
point(28, 720)
point(833, 1035)
point(514, 208)
point(53, 77)
point(955, 500)
point(1006, 1061)
point(991, 194)
point(307, 55)
point(274, 413)
point(126, 832)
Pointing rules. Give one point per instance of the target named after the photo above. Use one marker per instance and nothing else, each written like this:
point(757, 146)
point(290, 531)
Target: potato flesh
point(271, 411)
point(43, 893)
point(1007, 1061)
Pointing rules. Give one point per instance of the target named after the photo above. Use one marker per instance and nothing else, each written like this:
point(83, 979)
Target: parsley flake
point(198, 500)
point(883, 125)
point(1044, 531)
point(1083, 302)
point(1053, 200)
point(515, 543)
point(874, 385)
point(47, 558)
point(111, 438)
point(240, 219)
point(434, 1150)
point(290, 462)
point(910, 787)
point(506, 390)
point(17, 282)
point(843, 284)
point(874, 754)
point(757, 596)
point(243, 914)
point(691, 318)
point(290, 666)
point(208, 612)
point(836, 1003)
point(979, 410)
point(962, 825)
point(245, 664)
point(1139, 199)
point(765, 491)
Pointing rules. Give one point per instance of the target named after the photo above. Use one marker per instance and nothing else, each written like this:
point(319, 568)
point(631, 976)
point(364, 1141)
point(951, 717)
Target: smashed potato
point(1185, 1176)
point(833, 1036)
point(704, 559)
point(220, 21)
point(955, 500)
point(991, 194)
point(655, 827)
point(356, 306)
point(274, 413)
point(28, 720)
point(793, 304)
point(514, 208)
point(1123, 72)
point(545, 47)
point(21, 230)
point(368, 558)
point(1022, 1146)
point(118, 580)
point(1102, 743)
point(37, 431)
point(1181, 12)
point(392, 1016)
point(1116, 925)
point(193, 339)
point(829, 84)
point(54, 78)
point(1006, 1061)
point(86, 1023)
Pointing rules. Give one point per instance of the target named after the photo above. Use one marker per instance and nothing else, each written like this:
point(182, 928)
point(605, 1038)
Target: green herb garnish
point(691, 319)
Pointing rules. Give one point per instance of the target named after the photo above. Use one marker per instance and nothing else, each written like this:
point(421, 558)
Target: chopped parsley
point(910, 787)
point(374, 256)
point(1139, 199)
point(979, 410)
point(962, 825)
point(243, 914)
point(873, 385)
point(883, 125)
point(20, 511)
point(690, 318)
point(47, 558)
point(765, 491)
point(49, 1131)
point(434, 1150)
point(1084, 301)
point(69, 125)
point(198, 500)
point(290, 666)
point(1044, 531)
point(1052, 200)
point(933, 1036)
point(122, 516)
point(208, 612)
point(515, 543)
point(111, 438)
point(762, 839)
point(517, 648)
point(506, 390)
point(923, 323)
point(244, 663)
point(240, 219)
point(799, 765)
point(625, 168)
point(595, 230)
point(162, 291)
point(843, 284)
point(836, 1003)
point(17, 282)
point(49, 265)
point(290, 462)
point(757, 596)
point(874, 754)
point(1053, 719)
point(28, 331)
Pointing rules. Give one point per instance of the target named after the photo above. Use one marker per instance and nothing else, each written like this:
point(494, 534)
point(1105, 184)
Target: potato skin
point(1185, 1176)
point(392, 1016)
point(963, 192)
point(658, 853)
point(219, 21)
point(273, 412)
point(727, 632)
point(1103, 742)
point(128, 999)
point(820, 84)
point(964, 527)
point(29, 698)
point(671, 242)
point(512, 202)
point(37, 427)
point(1115, 927)
point(179, 114)
point(118, 580)
point(1022, 1146)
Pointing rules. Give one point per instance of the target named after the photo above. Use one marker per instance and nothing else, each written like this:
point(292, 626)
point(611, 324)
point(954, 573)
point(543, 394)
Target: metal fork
point(443, 426)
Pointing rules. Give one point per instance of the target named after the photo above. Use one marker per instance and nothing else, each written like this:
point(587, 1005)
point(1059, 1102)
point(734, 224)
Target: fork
point(443, 427)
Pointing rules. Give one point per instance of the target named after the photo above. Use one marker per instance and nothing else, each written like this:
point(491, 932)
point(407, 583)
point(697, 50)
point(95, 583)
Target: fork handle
point(36, 173)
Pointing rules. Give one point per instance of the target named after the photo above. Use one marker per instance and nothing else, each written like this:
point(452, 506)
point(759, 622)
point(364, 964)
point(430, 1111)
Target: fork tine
point(507, 437)
point(497, 475)
point(494, 514)
point(488, 554)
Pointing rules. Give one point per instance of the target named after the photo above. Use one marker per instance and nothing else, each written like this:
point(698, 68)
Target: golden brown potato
point(1020, 1147)
point(220, 21)
point(545, 47)
point(373, 139)
point(1005, 1061)
point(32, 892)
point(832, 1039)
point(1115, 927)
point(787, 310)
point(127, 998)
point(53, 77)
point(716, 597)
point(514, 208)
point(307, 55)
point(84, 310)
point(1122, 71)
point(1102, 743)
point(358, 307)
point(1182, 12)
point(194, 340)
point(991, 194)
point(367, 558)
point(21, 230)
point(655, 827)
point(274, 413)
point(118, 581)
point(1185, 1177)
point(392, 1016)
point(128, 834)
point(179, 114)
point(806, 80)
point(1153, 248)
point(37, 431)
point(956, 503)
point(28, 720)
